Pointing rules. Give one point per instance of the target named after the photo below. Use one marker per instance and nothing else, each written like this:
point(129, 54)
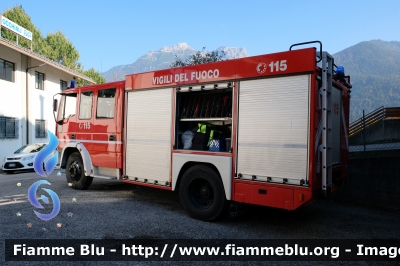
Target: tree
point(94, 75)
point(201, 57)
point(62, 50)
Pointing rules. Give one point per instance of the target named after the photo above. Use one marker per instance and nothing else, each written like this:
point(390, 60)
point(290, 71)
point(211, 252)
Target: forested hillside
point(374, 67)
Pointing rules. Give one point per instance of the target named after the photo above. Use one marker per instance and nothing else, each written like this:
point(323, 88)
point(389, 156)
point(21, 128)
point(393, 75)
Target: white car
point(22, 159)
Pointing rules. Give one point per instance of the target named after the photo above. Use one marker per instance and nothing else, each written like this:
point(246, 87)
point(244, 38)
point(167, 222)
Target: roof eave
point(43, 59)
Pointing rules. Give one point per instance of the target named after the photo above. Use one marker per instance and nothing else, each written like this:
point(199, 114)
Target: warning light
point(340, 71)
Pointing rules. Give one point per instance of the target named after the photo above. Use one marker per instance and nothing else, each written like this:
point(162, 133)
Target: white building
point(28, 82)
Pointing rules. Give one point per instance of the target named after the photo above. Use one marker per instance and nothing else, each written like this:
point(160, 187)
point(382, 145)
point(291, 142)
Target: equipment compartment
point(208, 106)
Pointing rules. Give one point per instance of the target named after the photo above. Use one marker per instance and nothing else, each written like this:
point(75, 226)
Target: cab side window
point(85, 106)
point(106, 103)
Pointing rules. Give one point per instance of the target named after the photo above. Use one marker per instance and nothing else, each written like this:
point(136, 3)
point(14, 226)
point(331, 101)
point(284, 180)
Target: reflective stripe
point(149, 140)
point(273, 145)
point(91, 141)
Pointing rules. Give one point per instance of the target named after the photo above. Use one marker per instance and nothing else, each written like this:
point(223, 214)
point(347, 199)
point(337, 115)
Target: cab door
point(84, 131)
point(105, 128)
point(66, 119)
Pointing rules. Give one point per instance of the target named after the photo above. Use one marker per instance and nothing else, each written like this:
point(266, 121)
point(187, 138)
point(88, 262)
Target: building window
point(85, 106)
point(39, 80)
point(40, 129)
point(63, 85)
point(6, 70)
point(8, 127)
point(106, 103)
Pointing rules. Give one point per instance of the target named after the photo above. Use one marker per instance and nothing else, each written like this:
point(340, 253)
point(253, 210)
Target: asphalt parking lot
point(113, 210)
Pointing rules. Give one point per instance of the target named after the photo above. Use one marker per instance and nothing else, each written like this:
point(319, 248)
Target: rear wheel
point(202, 193)
point(75, 172)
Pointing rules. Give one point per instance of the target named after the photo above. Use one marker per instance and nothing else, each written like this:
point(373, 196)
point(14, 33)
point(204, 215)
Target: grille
point(14, 159)
point(17, 165)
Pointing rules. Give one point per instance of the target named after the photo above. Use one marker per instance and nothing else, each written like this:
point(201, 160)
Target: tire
point(75, 172)
point(202, 193)
point(9, 172)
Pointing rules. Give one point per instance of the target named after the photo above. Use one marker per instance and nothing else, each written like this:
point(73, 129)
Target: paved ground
point(110, 209)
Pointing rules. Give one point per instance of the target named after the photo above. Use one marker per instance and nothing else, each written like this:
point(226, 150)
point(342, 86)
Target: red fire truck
point(270, 130)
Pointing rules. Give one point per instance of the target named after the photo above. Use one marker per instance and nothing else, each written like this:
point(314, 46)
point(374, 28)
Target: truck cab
point(89, 124)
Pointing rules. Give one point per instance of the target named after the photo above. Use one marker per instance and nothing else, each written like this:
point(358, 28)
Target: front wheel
point(202, 193)
point(75, 172)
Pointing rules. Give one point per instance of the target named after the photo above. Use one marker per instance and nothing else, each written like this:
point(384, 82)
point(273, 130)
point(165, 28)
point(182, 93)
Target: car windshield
point(30, 148)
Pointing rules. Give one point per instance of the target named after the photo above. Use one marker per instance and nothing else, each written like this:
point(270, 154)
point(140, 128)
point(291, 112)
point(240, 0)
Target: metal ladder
point(326, 94)
point(326, 146)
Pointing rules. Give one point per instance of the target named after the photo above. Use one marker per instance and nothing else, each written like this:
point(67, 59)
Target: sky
point(118, 32)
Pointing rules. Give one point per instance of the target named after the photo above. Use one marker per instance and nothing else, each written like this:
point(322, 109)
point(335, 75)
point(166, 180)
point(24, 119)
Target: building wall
point(10, 101)
point(372, 181)
point(40, 102)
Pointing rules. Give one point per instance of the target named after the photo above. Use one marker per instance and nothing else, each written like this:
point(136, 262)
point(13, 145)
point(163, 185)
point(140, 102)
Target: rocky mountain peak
point(233, 52)
point(176, 48)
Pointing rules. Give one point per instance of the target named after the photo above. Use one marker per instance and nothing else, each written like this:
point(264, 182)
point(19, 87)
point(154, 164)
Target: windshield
point(67, 106)
point(30, 148)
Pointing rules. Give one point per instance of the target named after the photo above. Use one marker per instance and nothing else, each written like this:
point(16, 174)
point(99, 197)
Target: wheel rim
point(75, 171)
point(201, 193)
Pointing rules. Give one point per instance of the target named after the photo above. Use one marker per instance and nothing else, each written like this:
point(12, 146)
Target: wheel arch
point(189, 164)
point(220, 164)
point(77, 147)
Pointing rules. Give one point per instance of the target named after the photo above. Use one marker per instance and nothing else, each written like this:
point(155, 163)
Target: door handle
point(73, 136)
point(112, 137)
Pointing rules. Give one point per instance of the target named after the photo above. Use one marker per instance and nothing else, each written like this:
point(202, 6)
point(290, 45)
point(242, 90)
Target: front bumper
point(10, 165)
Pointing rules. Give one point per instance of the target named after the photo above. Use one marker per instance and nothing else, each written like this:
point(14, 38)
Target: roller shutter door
point(273, 129)
point(148, 134)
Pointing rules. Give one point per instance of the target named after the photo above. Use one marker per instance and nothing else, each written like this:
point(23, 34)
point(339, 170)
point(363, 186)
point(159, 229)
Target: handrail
point(368, 120)
point(392, 113)
point(373, 117)
point(302, 43)
point(368, 117)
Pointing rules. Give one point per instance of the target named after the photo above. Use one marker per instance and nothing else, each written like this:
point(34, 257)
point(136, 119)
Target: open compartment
point(204, 117)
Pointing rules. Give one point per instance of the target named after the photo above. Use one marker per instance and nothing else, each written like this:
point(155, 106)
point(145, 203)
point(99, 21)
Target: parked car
point(22, 159)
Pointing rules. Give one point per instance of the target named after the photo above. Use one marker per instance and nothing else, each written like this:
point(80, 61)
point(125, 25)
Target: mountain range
point(163, 58)
point(374, 68)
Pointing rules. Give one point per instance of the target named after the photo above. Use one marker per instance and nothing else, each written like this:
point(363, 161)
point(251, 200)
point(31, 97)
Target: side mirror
point(55, 105)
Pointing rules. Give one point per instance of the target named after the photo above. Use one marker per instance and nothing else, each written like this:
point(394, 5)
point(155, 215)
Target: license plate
point(11, 164)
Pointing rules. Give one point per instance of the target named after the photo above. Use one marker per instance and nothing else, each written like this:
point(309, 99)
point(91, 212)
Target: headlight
point(28, 158)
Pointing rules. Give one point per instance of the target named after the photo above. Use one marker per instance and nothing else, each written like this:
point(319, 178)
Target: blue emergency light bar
point(340, 71)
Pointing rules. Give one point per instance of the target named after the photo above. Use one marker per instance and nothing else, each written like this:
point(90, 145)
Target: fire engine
point(269, 130)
